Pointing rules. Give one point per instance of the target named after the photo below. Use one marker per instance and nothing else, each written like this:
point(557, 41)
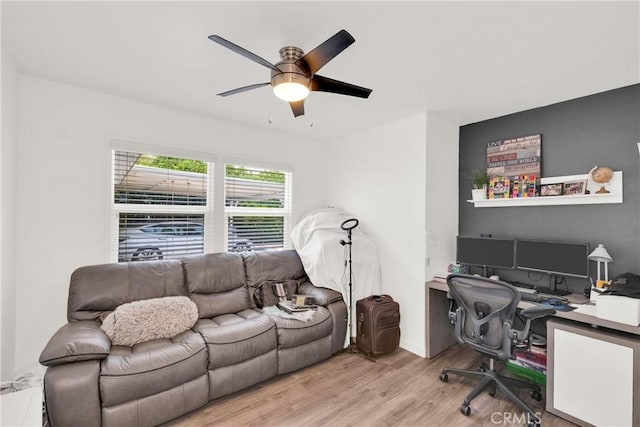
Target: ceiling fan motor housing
point(291, 72)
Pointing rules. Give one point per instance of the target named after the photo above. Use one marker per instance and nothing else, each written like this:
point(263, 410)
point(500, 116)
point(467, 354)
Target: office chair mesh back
point(485, 312)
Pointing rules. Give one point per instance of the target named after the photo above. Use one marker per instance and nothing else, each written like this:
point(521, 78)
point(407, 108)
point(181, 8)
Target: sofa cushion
point(292, 359)
point(277, 265)
point(97, 290)
point(216, 283)
point(158, 408)
point(151, 367)
point(146, 320)
point(292, 333)
point(234, 338)
point(265, 294)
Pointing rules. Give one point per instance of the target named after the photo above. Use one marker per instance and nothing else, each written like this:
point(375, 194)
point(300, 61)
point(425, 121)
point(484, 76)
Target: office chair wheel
point(492, 393)
point(465, 409)
point(533, 423)
point(536, 395)
point(444, 377)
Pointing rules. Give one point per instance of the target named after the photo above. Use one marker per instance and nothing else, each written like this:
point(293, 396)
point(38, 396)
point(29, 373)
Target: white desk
point(563, 332)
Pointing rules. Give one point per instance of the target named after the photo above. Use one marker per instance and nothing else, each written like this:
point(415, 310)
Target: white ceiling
point(468, 61)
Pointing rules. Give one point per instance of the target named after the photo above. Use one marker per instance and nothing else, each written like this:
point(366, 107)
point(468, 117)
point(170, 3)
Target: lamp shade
point(600, 254)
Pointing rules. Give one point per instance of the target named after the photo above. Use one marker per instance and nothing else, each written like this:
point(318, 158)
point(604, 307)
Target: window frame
point(116, 209)
point(284, 212)
point(215, 212)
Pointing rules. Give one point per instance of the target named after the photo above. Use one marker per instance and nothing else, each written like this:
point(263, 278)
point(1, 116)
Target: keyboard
point(542, 298)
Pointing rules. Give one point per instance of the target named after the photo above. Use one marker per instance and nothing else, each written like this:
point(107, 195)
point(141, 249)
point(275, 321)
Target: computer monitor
point(485, 252)
point(557, 258)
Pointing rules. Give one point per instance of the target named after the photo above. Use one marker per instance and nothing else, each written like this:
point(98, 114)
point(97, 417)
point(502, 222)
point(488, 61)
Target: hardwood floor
point(400, 389)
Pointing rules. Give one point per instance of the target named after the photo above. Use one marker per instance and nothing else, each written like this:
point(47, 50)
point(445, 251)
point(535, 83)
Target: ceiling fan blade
point(244, 52)
point(297, 107)
point(243, 89)
point(325, 84)
point(326, 51)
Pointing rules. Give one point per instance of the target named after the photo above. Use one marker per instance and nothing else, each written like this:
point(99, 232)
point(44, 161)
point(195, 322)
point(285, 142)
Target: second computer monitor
point(558, 258)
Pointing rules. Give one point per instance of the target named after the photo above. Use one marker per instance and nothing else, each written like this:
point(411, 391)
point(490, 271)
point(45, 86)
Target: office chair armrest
point(537, 312)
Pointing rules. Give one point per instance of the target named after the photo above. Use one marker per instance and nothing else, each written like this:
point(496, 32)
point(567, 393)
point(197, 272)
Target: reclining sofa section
point(233, 345)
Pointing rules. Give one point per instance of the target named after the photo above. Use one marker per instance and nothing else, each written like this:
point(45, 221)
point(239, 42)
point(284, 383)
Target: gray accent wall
point(601, 129)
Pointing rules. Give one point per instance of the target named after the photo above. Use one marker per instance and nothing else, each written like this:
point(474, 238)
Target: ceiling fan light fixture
point(291, 91)
point(294, 76)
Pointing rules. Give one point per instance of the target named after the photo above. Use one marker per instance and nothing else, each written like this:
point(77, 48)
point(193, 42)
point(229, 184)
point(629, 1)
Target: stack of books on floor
point(530, 364)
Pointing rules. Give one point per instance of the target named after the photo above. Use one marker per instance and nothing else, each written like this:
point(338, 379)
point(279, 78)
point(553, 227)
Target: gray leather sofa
point(233, 345)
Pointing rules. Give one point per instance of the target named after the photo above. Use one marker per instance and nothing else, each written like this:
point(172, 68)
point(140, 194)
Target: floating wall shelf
point(614, 186)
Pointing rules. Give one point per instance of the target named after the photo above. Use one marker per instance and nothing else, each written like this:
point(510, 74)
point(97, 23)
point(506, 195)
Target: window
point(160, 205)
point(163, 205)
point(257, 208)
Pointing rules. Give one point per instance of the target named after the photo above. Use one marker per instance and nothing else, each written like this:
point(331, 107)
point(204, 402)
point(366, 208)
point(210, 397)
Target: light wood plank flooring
point(400, 389)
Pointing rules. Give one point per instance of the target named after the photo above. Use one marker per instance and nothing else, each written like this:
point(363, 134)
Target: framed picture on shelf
point(551, 189)
point(499, 187)
point(572, 188)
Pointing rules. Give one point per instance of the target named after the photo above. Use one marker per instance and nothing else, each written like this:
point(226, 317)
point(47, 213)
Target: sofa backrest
point(269, 266)
point(97, 290)
point(216, 283)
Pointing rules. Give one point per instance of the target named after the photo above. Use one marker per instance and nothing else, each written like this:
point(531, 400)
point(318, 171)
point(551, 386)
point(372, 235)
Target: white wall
point(441, 220)
point(379, 176)
point(8, 149)
point(62, 214)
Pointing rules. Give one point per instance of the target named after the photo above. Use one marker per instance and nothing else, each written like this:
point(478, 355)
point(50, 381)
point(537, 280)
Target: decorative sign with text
point(516, 156)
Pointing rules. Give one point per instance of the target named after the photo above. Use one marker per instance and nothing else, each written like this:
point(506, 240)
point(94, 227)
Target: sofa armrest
point(321, 296)
point(76, 341)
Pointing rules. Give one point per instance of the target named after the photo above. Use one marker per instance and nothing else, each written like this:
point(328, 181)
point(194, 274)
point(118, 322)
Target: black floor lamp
point(347, 226)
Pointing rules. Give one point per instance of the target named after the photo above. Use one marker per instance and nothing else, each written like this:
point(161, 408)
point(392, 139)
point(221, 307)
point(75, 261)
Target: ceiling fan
point(295, 75)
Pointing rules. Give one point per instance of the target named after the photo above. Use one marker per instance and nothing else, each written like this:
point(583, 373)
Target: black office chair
point(483, 319)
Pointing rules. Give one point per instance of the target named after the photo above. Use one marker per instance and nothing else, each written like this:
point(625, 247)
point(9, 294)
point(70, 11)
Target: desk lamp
point(600, 255)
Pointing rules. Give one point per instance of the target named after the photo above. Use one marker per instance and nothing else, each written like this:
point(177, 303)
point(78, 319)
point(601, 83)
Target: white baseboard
point(420, 350)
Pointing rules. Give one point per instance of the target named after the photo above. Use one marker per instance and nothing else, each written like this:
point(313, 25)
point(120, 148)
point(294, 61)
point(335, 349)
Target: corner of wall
point(441, 220)
point(8, 156)
point(368, 174)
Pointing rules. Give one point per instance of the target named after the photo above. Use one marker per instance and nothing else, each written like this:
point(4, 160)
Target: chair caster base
point(536, 395)
point(465, 409)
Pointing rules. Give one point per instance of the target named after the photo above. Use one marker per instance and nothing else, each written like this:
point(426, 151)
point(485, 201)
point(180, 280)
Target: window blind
point(257, 208)
point(160, 205)
point(247, 233)
point(158, 180)
point(254, 188)
point(145, 237)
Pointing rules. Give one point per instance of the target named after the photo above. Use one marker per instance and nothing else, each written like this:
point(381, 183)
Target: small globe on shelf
point(601, 175)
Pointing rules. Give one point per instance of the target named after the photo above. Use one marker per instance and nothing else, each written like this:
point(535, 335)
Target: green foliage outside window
point(188, 165)
point(172, 163)
point(240, 172)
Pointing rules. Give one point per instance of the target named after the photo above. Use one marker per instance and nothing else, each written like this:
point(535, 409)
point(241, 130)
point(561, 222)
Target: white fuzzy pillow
point(150, 319)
